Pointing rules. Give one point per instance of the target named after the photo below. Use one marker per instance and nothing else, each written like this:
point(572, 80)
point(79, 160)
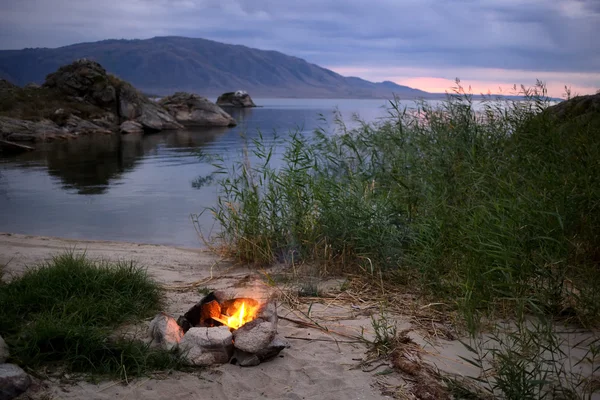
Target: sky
point(489, 44)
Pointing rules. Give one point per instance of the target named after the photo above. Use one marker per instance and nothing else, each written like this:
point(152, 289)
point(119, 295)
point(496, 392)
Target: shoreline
point(164, 263)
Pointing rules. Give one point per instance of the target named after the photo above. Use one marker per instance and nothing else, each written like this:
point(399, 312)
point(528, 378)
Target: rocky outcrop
point(77, 126)
point(193, 110)
point(30, 131)
point(79, 99)
point(577, 107)
point(133, 105)
point(239, 99)
point(131, 127)
point(46, 130)
point(84, 79)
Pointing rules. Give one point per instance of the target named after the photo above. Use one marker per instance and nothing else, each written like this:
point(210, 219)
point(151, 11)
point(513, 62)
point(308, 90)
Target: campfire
point(219, 330)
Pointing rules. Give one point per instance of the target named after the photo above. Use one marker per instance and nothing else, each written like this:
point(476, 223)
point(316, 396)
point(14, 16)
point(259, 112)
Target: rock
point(272, 349)
point(165, 331)
point(239, 99)
point(32, 85)
point(254, 336)
point(581, 107)
point(13, 147)
point(107, 121)
point(78, 126)
point(193, 110)
point(207, 346)
point(4, 353)
point(86, 79)
point(131, 127)
point(20, 130)
point(244, 359)
point(268, 312)
point(133, 105)
point(13, 381)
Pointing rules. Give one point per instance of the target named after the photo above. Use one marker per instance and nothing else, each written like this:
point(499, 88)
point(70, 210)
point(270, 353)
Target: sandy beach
point(310, 369)
point(318, 365)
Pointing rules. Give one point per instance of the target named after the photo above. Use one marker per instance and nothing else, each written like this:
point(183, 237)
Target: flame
point(241, 316)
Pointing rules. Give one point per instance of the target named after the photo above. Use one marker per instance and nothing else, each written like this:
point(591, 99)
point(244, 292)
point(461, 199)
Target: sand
point(307, 370)
point(318, 365)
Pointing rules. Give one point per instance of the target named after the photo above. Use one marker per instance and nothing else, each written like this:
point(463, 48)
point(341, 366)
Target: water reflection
point(89, 165)
point(144, 188)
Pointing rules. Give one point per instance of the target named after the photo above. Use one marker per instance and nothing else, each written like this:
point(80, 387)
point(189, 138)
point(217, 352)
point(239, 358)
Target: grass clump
point(65, 313)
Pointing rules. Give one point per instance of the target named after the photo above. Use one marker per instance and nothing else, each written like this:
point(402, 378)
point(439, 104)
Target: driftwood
point(13, 147)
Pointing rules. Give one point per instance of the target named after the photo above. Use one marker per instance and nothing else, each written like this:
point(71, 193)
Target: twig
point(374, 368)
point(323, 340)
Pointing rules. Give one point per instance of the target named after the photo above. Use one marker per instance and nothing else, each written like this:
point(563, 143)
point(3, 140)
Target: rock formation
point(86, 80)
point(193, 110)
point(82, 99)
point(239, 99)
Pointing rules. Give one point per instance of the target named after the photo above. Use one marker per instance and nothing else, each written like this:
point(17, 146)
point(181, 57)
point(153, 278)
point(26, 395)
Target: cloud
point(549, 36)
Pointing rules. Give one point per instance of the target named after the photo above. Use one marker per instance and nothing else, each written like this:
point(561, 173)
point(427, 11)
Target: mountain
point(163, 65)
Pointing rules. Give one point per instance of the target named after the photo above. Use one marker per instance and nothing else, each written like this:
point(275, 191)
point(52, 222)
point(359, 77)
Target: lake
point(144, 188)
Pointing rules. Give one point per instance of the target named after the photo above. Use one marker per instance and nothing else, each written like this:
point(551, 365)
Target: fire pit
point(218, 330)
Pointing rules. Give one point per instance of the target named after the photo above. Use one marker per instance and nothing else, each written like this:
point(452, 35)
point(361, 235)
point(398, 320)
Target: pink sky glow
point(481, 80)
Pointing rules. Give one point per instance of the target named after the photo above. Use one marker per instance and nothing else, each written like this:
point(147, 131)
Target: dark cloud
point(536, 35)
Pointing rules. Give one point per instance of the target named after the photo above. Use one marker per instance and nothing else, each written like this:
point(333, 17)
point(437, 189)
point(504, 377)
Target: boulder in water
point(193, 110)
point(239, 99)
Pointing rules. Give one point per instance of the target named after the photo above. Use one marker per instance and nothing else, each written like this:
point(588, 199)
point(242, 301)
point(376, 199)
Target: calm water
point(141, 188)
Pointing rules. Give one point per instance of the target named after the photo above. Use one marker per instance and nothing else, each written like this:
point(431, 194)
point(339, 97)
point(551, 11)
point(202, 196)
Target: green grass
point(65, 313)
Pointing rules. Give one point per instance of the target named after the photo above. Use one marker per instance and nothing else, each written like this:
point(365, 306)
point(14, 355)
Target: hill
point(163, 65)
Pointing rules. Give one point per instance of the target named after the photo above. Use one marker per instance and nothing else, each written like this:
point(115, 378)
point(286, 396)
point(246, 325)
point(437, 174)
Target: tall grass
point(496, 209)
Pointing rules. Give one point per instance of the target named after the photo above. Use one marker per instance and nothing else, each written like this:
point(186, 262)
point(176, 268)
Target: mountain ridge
point(164, 64)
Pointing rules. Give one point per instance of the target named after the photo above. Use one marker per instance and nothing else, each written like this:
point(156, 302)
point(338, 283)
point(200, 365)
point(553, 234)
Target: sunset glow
point(481, 81)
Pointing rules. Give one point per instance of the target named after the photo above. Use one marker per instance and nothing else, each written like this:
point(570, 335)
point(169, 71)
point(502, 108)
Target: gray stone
point(193, 110)
point(207, 346)
point(20, 130)
point(254, 336)
point(78, 126)
point(4, 353)
point(32, 85)
point(133, 105)
point(272, 349)
point(165, 331)
point(239, 99)
point(245, 359)
point(13, 381)
point(268, 312)
point(131, 127)
point(107, 121)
